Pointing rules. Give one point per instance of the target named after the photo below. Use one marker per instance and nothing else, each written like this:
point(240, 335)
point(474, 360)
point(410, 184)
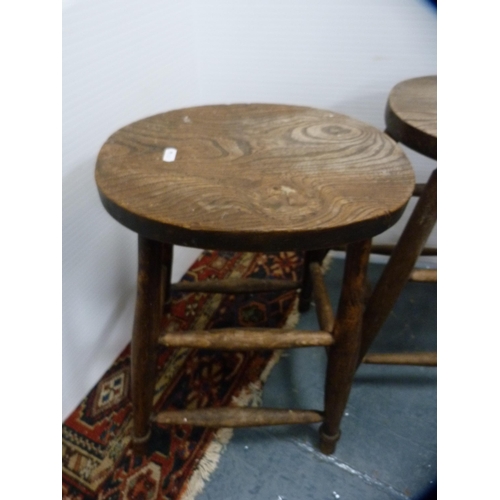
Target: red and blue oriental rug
point(97, 459)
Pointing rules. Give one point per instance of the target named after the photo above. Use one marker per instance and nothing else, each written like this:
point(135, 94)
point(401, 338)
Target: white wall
point(122, 60)
point(126, 60)
point(342, 55)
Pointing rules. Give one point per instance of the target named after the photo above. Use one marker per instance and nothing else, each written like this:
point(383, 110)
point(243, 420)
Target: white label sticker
point(169, 154)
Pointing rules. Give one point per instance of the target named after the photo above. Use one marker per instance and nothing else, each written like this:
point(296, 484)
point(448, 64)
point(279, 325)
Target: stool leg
point(401, 263)
point(145, 333)
point(166, 276)
point(343, 354)
point(306, 290)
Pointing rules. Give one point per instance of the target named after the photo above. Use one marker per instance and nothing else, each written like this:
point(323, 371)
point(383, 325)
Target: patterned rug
point(97, 459)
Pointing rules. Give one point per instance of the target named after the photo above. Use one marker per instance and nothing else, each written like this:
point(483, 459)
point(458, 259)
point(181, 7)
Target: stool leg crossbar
point(402, 358)
point(236, 285)
point(238, 417)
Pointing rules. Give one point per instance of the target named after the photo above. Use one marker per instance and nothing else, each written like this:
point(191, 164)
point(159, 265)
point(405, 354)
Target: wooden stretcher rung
point(424, 275)
point(249, 339)
point(238, 417)
point(403, 358)
point(387, 250)
point(324, 308)
point(235, 285)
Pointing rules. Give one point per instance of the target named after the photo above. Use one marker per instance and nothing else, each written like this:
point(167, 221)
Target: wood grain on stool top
point(254, 177)
point(411, 114)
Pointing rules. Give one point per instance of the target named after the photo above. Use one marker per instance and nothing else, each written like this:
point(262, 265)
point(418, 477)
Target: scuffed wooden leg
point(307, 287)
point(400, 265)
point(166, 276)
point(343, 354)
point(145, 334)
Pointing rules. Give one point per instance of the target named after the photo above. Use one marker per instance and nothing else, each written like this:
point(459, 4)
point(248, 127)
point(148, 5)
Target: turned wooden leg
point(343, 354)
point(167, 258)
point(307, 287)
point(145, 334)
point(401, 264)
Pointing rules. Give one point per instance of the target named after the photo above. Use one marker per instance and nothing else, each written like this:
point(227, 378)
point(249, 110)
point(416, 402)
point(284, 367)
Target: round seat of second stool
point(254, 178)
point(411, 114)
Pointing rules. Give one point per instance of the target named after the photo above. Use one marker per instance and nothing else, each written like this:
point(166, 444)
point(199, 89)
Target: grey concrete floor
point(388, 446)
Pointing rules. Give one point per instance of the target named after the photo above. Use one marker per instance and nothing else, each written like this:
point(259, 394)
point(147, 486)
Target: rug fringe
point(208, 463)
point(251, 395)
point(327, 261)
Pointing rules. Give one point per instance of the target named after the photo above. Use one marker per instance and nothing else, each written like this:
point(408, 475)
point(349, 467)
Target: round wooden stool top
point(411, 114)
point(254, 177)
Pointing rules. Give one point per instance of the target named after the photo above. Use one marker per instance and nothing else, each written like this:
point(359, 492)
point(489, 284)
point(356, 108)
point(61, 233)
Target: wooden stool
point(252, 178)
point(411, 118)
